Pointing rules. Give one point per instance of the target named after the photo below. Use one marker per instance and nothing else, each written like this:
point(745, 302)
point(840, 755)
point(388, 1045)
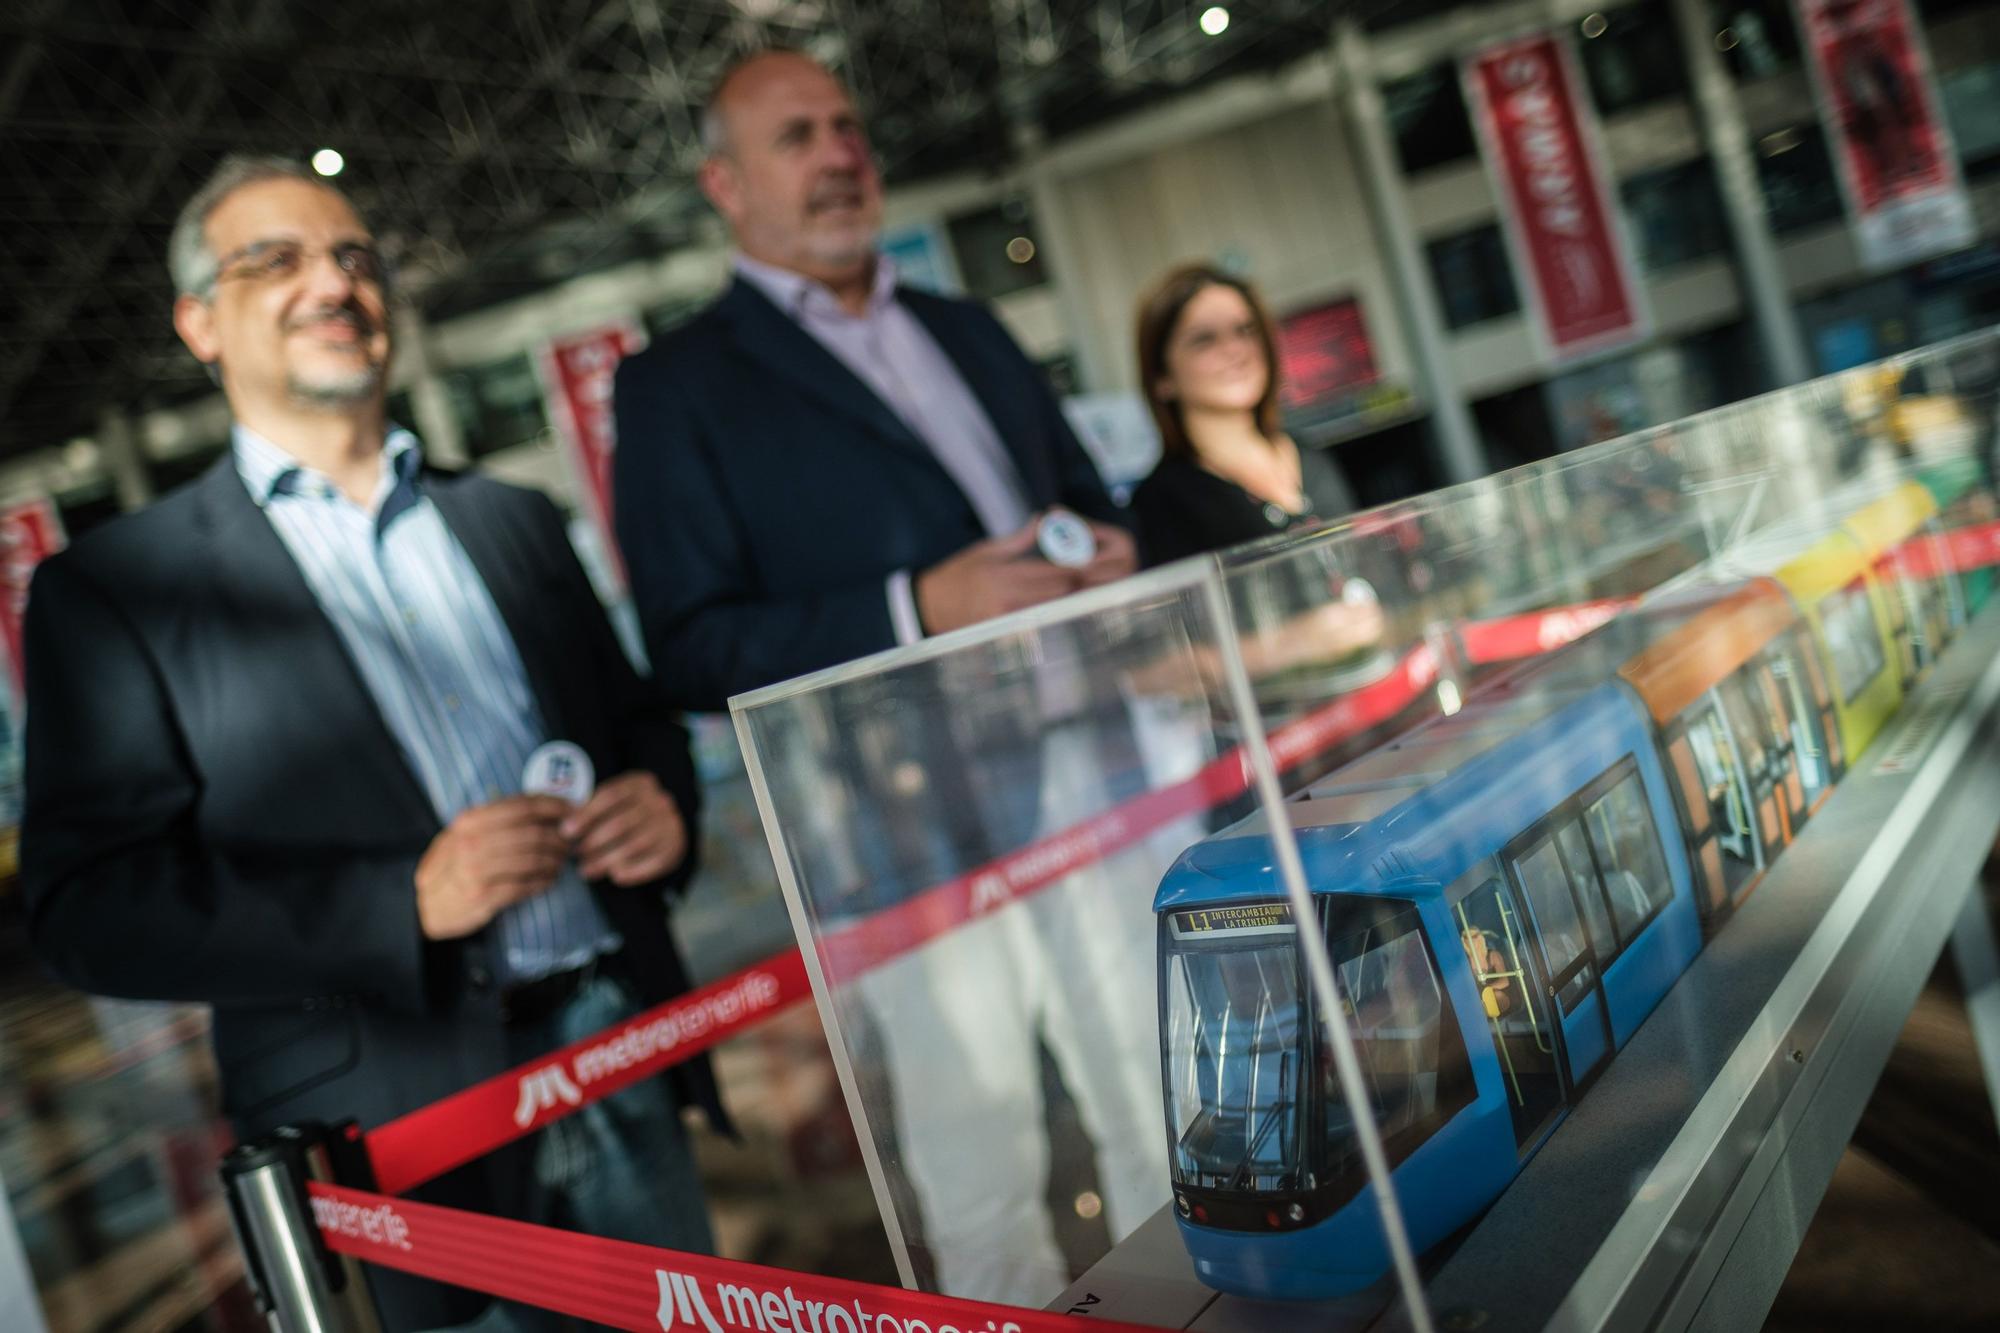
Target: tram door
point(1781, 713)
point(1795, 712)
point(1805, 654)
point(1555, 877)
point(1764, 763)
point(1716, 797)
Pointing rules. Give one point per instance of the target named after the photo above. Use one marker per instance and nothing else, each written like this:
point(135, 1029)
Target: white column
point(436, 421)
point(118, 451)
point(1726, 135)
point(1367, 121)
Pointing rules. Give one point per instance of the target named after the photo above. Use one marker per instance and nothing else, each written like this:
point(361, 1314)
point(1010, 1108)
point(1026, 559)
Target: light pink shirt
point(889, 350)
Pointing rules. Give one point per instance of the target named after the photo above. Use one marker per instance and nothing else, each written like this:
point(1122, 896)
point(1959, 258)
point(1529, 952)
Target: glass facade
point(1474, 278)
point(1675, 215)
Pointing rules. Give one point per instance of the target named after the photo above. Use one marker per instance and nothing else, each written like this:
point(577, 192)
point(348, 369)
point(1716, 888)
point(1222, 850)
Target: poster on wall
point(30, 532)
point(1328, 375)
point(576, 374)
point(1892, 148)
point(1538, 134)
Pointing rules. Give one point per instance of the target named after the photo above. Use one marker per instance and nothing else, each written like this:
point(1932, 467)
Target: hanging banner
point(1570, 257)
point(576, 377)
point(1892, 148)
point(30, 532)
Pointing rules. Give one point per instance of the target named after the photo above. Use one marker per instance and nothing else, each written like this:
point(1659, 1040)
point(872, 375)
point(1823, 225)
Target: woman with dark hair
point(1228, 473)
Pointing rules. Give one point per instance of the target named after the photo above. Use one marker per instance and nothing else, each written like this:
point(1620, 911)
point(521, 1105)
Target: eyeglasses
point(270, 262)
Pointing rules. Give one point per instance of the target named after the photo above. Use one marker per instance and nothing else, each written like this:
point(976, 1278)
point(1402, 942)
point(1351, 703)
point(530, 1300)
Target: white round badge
point(1358, 591)
point(559, 768)
point(1065, 539)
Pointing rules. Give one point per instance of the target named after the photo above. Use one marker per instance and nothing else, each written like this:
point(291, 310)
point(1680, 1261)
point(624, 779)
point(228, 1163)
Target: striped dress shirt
point(434, 653)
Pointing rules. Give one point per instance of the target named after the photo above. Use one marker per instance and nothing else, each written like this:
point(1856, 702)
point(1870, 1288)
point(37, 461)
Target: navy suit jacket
point(216, 811)
point(764, 493)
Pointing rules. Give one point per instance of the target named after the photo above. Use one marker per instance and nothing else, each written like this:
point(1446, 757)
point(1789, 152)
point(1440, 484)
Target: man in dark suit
point(275, 759)
point(823, 463)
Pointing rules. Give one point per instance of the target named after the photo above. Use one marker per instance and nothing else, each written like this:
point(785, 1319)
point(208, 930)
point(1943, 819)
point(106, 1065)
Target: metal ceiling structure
point(498, 146)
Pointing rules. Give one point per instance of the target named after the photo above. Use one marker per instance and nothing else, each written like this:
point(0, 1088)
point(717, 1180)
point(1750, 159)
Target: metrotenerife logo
point(747, 1309)
point(541, 1089)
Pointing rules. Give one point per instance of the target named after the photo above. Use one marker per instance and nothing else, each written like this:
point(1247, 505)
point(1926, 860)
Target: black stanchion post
point(299, 1284)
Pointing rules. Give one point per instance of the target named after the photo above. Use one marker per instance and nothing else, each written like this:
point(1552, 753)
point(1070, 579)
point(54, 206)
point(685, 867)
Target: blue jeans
point(620, 1168)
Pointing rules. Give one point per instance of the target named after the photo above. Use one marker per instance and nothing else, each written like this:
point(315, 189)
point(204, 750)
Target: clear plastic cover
point(1306, 891)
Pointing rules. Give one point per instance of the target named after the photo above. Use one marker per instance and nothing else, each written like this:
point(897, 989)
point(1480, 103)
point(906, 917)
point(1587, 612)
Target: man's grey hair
point(189, 260)
point(712, 125)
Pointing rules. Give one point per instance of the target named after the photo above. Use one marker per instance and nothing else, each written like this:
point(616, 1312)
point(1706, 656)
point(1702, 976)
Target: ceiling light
point(327, 162)
point(1214, 20)
point(1020, 249)
point(1594, 25)
point(1726, 40)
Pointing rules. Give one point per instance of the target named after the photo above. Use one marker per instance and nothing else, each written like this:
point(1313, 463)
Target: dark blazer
point(216, 811)
point(1183, 509)
point(764, 492)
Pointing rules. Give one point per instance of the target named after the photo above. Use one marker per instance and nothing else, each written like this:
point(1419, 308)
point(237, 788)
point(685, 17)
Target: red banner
point(638, 1288)
point(1569, 254)
point(1891, 145)
point(30, 532)
point(576, 378)
point(426, 1143)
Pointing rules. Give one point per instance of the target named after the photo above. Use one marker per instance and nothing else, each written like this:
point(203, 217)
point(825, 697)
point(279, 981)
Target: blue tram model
point(1506, 893)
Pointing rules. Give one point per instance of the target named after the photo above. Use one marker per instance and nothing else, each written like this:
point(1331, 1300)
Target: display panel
point(1309, 890)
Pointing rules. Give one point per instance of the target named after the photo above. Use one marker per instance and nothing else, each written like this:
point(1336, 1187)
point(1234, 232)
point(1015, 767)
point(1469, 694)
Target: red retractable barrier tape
point(466, 1125)
point(1509, 637)
point(639, 1288)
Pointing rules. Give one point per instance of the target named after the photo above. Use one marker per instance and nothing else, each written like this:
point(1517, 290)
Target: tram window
point(1852, 639)
point(1411, 1050)
point(1589, 889)
point(1804, 651)
point(1751, 727)
point(1234, 1119)
point(1627, 844)
point(1546, 884)
point(1718, 774)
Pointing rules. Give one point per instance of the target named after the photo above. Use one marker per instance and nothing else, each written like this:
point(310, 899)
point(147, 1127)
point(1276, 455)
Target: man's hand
point(1117, 556)
point(988, 579)
point(630, 831)
point(487, 859)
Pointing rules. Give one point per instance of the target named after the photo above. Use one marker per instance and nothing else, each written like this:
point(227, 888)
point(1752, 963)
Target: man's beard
point(333, 391)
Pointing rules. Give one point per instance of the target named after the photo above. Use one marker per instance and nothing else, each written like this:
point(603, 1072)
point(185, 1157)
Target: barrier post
point(299, 1284)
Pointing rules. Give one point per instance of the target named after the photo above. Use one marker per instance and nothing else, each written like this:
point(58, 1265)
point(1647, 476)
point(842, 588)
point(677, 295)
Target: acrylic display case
point(1403, 917)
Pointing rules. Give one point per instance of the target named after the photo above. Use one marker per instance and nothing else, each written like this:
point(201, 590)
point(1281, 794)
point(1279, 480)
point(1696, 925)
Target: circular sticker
point(559, 768)
point(1357, 591)
point(1065, 539)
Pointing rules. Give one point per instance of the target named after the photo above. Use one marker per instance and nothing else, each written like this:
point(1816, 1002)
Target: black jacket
point(216, 811)
point(764, 492)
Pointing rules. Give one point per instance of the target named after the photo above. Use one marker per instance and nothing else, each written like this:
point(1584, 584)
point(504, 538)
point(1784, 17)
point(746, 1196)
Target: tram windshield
point(1235, 1015)
point(1234, 1011)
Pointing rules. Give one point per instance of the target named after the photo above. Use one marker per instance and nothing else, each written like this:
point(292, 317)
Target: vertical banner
point(1892, 148)
point(1539, 135)
point(30, 532)
point(576, 374)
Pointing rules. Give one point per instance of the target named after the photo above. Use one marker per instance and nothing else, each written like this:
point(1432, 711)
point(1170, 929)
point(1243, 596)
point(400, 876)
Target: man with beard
point(825, 464)
point(278, 755)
